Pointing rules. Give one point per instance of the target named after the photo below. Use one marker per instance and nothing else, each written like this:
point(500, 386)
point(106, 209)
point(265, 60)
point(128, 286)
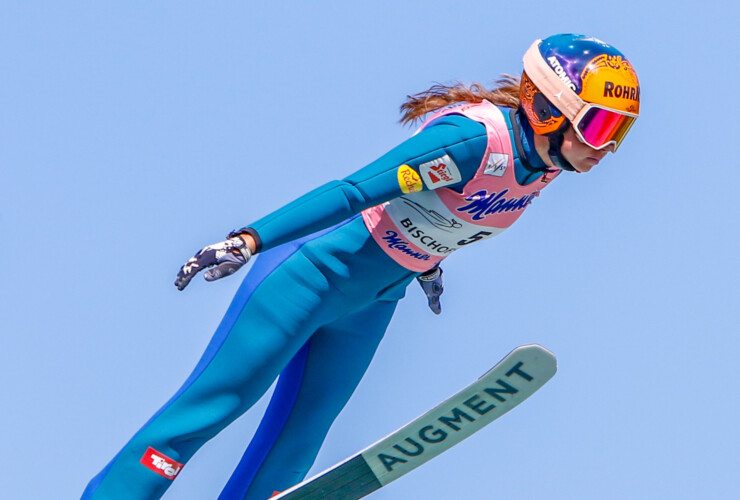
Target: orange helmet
point(580, 81)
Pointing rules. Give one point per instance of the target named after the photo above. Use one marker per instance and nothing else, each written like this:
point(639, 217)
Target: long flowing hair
point(505, 93)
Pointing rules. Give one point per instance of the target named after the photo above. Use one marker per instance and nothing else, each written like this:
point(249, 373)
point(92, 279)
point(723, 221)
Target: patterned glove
point(431, 283)
point(227, 257)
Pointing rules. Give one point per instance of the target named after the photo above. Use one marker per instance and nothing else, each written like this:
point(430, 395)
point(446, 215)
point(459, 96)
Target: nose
point(600, 153)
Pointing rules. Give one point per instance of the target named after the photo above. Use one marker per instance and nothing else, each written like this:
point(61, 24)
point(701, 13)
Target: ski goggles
point(600, 127)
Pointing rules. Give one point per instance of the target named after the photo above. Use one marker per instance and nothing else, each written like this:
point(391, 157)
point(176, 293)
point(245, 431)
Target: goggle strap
point(556, 91)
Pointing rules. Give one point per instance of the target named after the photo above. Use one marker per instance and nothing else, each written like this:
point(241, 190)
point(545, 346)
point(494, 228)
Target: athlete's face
point(582, 157)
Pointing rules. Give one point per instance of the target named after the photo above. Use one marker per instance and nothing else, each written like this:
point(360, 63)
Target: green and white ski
point(511, 381)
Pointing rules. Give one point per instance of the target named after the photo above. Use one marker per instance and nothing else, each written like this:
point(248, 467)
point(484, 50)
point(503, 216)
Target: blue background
point(134, 133)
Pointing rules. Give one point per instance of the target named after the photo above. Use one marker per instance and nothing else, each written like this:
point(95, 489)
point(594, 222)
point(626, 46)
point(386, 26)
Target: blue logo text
point(483, 204)
point(399, 244)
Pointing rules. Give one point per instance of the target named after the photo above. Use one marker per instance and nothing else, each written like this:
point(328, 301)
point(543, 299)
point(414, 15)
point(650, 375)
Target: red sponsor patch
point(440, 172)
point(161, 464)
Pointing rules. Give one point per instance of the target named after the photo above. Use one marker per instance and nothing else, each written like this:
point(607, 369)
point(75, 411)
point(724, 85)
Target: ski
point(511, 381)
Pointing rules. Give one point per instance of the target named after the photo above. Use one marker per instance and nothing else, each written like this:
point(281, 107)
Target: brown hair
point(506, 93)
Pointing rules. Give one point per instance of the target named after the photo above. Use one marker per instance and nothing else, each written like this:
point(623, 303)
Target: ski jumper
point(314, 306)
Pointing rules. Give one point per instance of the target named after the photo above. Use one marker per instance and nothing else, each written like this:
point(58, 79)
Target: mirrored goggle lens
point(600, 127)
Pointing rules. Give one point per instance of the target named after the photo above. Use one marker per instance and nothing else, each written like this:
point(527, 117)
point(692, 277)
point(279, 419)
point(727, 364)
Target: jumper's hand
point(431, 283)
point(227, 257)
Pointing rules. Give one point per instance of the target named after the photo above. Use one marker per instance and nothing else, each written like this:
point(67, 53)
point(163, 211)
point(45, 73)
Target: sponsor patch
point(440, 172)
point(496, 165)
point(409, 180)
point(161, 464)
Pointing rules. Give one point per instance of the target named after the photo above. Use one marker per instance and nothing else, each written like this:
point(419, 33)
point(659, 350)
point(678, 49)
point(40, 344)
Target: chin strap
point(556, 141)
point(519, 119)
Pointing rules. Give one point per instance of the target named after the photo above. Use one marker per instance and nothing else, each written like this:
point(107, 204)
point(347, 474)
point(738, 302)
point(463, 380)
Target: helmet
point(581, 81)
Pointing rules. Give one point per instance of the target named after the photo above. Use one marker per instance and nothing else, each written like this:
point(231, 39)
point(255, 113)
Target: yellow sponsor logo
point(409, 180)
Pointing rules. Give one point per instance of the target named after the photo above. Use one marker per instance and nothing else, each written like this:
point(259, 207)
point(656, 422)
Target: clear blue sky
point(133, 133)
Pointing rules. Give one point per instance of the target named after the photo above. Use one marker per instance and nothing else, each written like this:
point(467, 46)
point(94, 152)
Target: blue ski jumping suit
point(311, 310)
